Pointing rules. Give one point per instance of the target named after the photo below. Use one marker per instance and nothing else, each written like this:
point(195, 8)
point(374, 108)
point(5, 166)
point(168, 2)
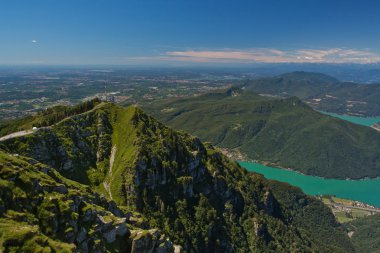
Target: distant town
point(27, 92)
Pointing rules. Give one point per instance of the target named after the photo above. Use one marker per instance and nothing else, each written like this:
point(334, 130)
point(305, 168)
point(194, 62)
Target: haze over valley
point(189, 126)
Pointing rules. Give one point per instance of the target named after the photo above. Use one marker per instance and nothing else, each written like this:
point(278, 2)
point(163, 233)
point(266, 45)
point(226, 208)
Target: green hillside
point(195, 195)
point(44, 118)
point(41, 211)
point(322, 92)
point(284, 132)
point(300, 84)
point(365, 233)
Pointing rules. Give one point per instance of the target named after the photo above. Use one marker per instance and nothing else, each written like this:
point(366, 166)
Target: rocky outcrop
point(151, 241)
point(72, 147)
point(70, 212)
point(188, 191)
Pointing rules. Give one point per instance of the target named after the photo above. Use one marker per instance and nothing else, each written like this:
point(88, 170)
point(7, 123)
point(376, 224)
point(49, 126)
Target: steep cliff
point(41, 211)
point(190, 191)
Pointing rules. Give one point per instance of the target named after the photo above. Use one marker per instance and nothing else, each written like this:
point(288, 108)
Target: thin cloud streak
point(268, 55)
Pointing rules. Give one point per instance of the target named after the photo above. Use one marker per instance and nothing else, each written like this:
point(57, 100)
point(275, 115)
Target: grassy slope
point(124, 140)
point(285, 132)
point(19, 229)
point(226, 204)
point(40, 209)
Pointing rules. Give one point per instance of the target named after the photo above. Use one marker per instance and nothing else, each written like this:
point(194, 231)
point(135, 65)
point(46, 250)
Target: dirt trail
point(107, 185)
point(17, 134)
point(22, 133)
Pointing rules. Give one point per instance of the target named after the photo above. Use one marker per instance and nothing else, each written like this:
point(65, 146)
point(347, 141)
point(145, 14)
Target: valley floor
point(346, 210)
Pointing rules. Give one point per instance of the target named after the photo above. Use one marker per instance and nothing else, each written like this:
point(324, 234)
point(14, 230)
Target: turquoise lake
point(367, 190)
point(357, 120)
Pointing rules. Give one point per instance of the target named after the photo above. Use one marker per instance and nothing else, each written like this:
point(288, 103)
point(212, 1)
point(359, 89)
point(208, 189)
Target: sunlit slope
point(284, 132)
point(194, 194)
point(41, 211)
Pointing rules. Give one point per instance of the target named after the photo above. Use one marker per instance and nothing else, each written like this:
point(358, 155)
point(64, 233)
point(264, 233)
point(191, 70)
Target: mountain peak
point(192, 193)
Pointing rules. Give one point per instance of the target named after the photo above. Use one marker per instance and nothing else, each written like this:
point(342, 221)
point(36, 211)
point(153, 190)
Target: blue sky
point(188, 31)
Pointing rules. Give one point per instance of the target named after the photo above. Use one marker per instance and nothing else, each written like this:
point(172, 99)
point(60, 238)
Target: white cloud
point(34, 41)
point(271, 55)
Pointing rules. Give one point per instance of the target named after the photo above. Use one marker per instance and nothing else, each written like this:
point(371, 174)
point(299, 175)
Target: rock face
point(49, 212)
point(185, 189)
point(150, 241)
point(80, 143)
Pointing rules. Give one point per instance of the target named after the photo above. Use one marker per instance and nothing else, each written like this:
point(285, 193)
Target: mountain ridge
point(187, 189)
point(322, 92)
point(285, 132)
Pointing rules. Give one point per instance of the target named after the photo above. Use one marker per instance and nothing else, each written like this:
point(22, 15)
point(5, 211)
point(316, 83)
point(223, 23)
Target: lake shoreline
point(363, 121)
point(239, 156)
point(358, 190)
point(275, 166)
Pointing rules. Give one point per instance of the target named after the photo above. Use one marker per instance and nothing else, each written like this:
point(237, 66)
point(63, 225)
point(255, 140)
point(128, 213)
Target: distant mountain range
point(103, 178)
point(283, 132)
point(322, 92)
